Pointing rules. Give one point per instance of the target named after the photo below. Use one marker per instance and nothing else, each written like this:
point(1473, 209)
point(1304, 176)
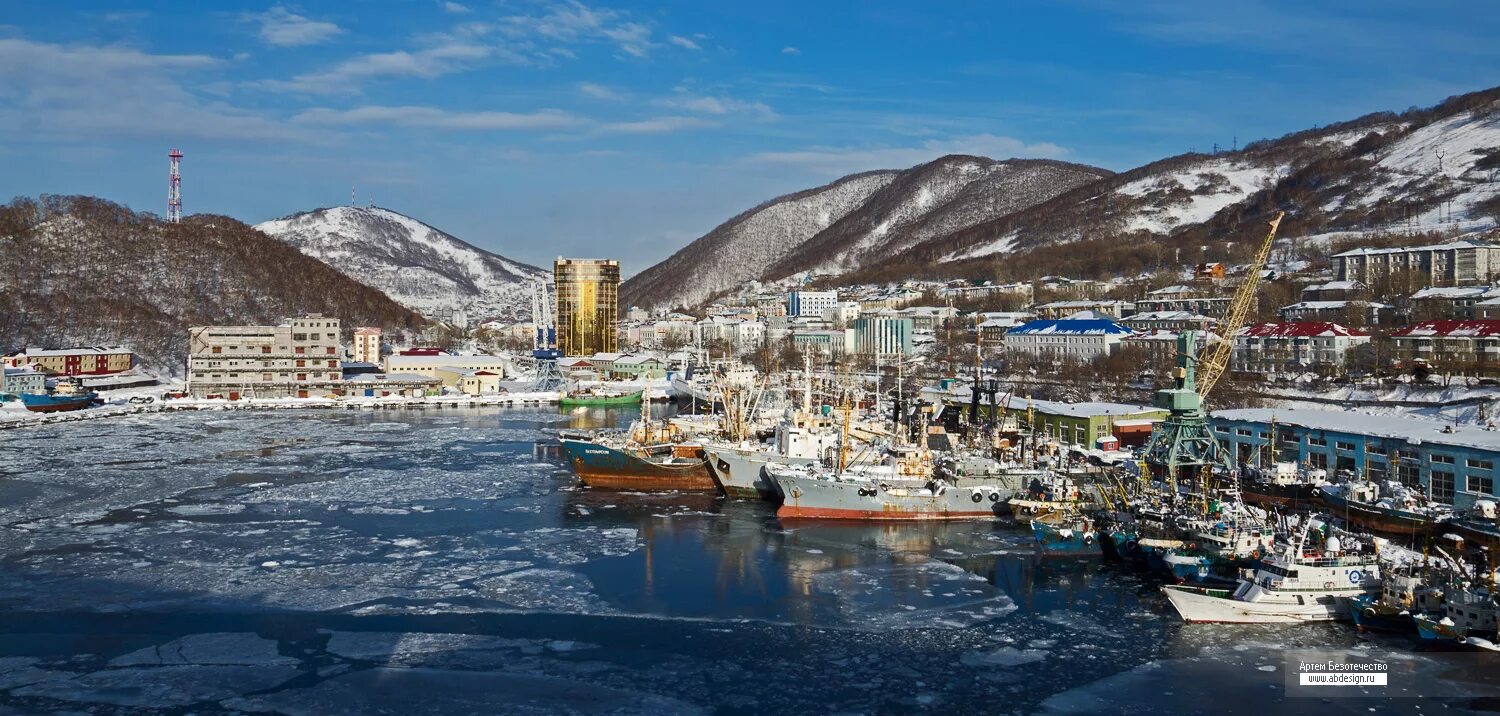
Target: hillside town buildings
point(1294, 347)
point(1452, 264)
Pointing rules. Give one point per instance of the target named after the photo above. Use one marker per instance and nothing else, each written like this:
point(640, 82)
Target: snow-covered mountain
point(418, 266)
point(76, 270)
point(858, 221)
point(931, 200)
point(742, 248)
point(1424, 170)
point(1416, 172)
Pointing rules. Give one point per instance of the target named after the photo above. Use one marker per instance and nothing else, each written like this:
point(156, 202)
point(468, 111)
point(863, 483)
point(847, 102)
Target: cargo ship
point(622, 466)
point(41, 403)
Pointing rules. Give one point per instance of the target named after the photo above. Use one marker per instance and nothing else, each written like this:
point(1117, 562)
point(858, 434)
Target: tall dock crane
point(1183, 441)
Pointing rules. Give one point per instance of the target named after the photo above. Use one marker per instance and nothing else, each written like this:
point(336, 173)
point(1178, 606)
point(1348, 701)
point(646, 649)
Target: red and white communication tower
point(174, 187)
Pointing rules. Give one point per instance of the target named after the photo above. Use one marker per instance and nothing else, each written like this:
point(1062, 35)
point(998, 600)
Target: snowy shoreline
point(18, 419)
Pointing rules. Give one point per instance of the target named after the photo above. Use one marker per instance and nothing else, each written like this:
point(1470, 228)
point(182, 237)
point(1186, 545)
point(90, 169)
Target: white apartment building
point(811, 303)
point(297, 358)
point(367, 345)
point(1453, 264)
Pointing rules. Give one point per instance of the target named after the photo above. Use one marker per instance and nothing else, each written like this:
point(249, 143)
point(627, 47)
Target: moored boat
point(809, 492)
point(1065, 534)
point(599, 396)
point(666, 466)
point(54, 403)
point(1293, 586)
point(1388, 507)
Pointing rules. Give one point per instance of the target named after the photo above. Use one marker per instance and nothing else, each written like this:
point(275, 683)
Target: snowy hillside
point(929, 200)
point(418, 266)
point(58, 288)
point(740, 249)
point(1423, 170)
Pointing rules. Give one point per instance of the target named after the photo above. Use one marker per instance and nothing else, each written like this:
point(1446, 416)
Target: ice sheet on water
point(1004, 656)
point(160, 686)
point(545, 590)
point(219, 649)
point(429, 649)
point(1078, 622)
point(911, 594)
point(569, 546)
point(448, 692)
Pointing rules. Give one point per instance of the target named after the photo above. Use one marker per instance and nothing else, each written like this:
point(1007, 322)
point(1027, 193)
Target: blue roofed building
point(1082, 336)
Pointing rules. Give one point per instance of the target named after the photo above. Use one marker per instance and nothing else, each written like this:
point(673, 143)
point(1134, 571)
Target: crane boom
point(1214, 362)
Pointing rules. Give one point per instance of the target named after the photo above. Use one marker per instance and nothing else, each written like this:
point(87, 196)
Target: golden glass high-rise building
point(588, 305)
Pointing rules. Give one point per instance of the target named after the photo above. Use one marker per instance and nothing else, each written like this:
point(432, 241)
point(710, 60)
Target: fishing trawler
point(1297, 584)
point(1387, 506)
point(818, 493)
point(1283, 485)
point(644, 458)
point(1468, 612)
point(1402, 597)
point(1479, 525)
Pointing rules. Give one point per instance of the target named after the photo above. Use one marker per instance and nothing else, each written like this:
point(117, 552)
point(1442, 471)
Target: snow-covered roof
point(1067, 327)
point(1080, 305)
point(1079, 410)
point(1172, 290)
point(93, 350)
point(1337, 286)
point(1404, 249)
point(1475, 328)
point(606, 357)
point(444, 361)
point(1332, 305)
point(1298, 329)
point(637, 360)
point(1154, 316)
point(1414, 430)
point(1456, 292)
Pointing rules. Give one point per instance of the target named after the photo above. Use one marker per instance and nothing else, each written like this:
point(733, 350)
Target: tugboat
point(1299, 584)
point(68, 395)
point(1388, 507)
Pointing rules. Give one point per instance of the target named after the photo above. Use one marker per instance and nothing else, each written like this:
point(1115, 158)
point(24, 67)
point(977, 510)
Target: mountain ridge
point(421, 267)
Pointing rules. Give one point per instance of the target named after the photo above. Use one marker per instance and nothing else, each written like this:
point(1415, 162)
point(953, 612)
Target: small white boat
point(1296, 585)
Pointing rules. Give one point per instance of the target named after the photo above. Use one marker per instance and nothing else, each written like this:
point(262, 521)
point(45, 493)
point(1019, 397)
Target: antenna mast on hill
point(174, 187)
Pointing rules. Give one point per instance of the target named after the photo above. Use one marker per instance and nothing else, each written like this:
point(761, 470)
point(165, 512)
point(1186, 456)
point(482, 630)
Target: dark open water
point(309, 562)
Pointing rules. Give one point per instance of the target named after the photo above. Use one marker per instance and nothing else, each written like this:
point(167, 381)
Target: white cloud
point(426, 64)
point(789, 50)
point(715, 105)
point(655, 125)
point(683, 42)
point(838, 161)
point(598, 91)
point(572, 22)
point(456, 8)
point(284, 28)
point(437, 118)
point(88, 93)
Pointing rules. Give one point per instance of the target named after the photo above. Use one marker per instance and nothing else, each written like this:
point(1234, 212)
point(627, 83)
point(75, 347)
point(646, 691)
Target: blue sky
point(538, 129)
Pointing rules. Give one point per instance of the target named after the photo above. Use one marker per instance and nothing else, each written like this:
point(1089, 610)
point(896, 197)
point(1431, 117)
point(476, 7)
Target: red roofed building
point(1295, 347)
point(1450, 345)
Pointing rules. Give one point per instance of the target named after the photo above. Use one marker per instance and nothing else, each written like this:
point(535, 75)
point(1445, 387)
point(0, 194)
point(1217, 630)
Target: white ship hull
point(1199, 606)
